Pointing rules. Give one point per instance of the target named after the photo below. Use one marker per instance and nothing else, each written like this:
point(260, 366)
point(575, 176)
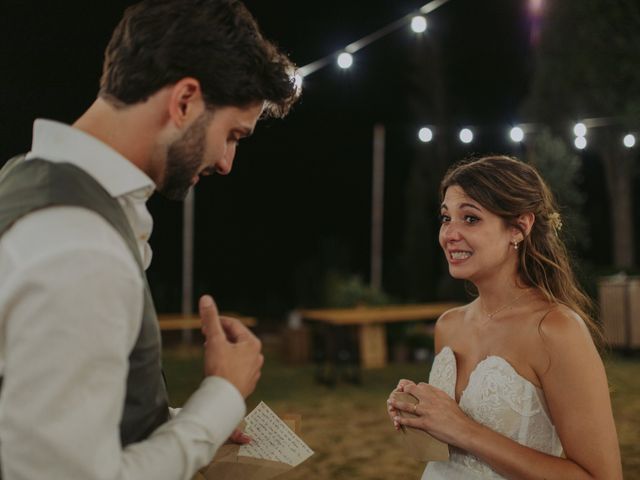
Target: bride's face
point(476, 242)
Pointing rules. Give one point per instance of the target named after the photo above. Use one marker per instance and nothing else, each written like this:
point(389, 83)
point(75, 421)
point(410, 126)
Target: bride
point(517, 388)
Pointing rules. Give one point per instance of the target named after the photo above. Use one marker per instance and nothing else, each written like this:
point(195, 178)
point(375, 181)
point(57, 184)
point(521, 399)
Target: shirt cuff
point(219, 406)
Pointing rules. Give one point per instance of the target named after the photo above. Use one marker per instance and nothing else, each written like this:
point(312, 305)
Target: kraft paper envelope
point(229, 465)
point(419, 443)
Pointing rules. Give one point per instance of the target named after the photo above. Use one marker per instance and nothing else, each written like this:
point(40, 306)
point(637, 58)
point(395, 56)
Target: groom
point(82, 390)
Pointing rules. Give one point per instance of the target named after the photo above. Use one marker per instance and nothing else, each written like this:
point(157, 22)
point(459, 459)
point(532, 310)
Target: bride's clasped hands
point(435, 412)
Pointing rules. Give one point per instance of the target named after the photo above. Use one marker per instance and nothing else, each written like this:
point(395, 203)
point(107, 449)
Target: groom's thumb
point(209, 317)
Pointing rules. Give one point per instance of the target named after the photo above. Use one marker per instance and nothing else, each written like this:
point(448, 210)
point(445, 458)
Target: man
point(82, 390)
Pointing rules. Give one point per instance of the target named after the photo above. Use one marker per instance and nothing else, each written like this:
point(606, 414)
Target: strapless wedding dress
point(499, 398)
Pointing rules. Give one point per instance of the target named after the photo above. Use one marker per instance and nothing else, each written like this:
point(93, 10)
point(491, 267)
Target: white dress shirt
point(70, 312)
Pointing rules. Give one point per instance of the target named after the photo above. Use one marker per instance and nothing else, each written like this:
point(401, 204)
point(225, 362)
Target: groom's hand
point(231, 350)
point(239, 437)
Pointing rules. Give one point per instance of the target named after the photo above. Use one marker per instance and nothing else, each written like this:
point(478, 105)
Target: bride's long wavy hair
point(509, 188)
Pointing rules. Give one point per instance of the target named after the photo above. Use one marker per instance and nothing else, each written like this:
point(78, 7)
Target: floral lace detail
point(499, 398)
point(443, 372)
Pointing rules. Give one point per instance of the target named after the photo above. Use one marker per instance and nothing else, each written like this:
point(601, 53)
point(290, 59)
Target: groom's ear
point(185, 102)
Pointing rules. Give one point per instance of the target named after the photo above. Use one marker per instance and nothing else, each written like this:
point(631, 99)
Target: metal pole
point(377, 206)
point(187, 260)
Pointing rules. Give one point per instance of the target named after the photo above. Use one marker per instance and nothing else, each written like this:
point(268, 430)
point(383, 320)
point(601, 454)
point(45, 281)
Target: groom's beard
point(185, 157)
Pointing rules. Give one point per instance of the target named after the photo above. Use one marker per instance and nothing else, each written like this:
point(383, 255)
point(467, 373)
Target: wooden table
point(177, 321)
point(370, 324)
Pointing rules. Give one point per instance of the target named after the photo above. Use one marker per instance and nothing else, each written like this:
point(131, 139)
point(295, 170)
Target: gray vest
point(26, 186)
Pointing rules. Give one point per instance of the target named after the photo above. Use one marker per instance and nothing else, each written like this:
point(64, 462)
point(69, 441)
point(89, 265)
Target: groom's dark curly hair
point(217, 42)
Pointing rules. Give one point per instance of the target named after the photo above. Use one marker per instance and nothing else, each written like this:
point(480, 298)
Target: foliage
point(588, 61)
point(344, 291)
point(561, 169)
point(587, 68)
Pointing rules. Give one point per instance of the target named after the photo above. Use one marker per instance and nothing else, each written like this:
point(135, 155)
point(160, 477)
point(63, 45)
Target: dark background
point(297, 204)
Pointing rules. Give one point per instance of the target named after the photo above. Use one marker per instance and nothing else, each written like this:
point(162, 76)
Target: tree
point(587, 67)
point(427, 97)
point(561, 169)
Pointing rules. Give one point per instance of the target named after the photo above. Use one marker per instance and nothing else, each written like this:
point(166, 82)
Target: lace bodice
point(499, 398)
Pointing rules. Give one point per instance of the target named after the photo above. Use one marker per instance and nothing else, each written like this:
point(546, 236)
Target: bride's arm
point(576, 390)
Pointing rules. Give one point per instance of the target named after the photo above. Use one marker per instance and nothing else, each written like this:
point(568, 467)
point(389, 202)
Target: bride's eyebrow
point(470, 205)
point(462, 205)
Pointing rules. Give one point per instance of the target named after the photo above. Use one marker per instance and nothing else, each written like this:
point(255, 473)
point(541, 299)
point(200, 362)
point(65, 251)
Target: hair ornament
point(556, 221)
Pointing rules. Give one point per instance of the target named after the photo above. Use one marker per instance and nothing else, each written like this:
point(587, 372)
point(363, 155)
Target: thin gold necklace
point(508, 304)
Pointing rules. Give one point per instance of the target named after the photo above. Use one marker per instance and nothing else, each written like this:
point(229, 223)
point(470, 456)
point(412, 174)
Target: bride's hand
point(437, 413)
point(392, 411)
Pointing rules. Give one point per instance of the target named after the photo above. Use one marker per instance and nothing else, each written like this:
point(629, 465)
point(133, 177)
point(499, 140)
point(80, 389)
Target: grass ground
point(348, 428)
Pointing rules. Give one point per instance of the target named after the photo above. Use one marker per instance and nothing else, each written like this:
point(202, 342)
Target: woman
point(517, 388)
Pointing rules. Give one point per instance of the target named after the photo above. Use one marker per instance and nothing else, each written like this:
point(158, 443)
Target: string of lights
point(417, 21)
point(518, 133)
point(344, 56)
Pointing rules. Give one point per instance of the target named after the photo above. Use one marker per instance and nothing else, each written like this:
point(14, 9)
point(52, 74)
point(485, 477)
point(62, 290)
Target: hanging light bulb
point(425, 134)
point(516, 134)
point(419, 24)
point(580, 129)
point(466, 135)
point(629, 140)
point(580, 143)
point(345, 60)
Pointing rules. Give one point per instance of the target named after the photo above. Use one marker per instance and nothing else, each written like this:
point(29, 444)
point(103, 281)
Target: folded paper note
point(419, 443)
point(273, 439)
point(275, 449)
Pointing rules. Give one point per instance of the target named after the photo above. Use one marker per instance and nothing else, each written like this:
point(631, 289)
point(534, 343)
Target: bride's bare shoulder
point(448, 324)
point(561, 324)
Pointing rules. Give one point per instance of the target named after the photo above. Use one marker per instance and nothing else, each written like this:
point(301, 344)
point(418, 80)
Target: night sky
point(298, 201)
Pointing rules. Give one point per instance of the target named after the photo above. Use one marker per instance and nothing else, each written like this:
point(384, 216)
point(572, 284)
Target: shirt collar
point(57, 142)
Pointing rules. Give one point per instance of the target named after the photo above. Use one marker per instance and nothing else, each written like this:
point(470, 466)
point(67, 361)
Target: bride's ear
point(525, 222)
